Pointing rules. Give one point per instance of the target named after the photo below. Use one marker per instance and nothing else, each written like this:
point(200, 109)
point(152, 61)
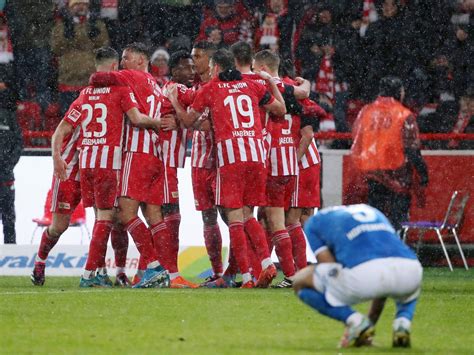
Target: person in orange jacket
point(386, 148)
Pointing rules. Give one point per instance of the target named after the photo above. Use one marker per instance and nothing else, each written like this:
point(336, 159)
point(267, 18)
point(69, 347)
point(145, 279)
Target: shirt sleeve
point(201, 100)
point(74, 114)
point(186, 96)
point(311, 230)
point(102, 79)
point(128, 100)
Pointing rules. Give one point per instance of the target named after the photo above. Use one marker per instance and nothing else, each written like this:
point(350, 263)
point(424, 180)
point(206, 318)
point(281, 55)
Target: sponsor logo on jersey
point(74, 115)
point(175, 194)
point(64, 206)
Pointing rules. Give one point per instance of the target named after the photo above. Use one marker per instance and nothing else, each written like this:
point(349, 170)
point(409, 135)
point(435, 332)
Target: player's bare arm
point(302, 89)
point(64, 128)
point(143, 121)
point(325, 256)
point(307, 134)
point(278, 106)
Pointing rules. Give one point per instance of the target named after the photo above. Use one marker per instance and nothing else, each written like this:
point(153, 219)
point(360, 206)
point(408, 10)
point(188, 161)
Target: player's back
point(102, 124)
point(355, 234)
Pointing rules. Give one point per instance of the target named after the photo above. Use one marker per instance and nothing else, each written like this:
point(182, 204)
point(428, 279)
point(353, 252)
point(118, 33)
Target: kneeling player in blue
point(360, 258)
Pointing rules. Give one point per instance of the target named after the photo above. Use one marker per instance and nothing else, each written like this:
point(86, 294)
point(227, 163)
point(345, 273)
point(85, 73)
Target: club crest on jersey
point(74, 115)
point(64, 206)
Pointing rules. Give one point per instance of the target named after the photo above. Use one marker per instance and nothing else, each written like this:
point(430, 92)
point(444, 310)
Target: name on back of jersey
point(94, 141)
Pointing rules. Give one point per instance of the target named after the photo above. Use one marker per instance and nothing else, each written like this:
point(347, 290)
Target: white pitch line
point(13, 293)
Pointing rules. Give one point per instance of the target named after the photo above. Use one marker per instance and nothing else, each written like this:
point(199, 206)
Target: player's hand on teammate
point(168, 122)
point(299, 80)
point(264, 75)
point(172, 93)
point(60, 167)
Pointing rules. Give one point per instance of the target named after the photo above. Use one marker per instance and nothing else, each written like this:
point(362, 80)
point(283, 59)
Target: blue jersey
point(355, 234)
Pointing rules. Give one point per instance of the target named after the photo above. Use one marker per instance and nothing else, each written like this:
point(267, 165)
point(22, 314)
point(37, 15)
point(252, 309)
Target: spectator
point(10, 149)
point(232, 19)
point(386, 149)
point(164, 19)
point(74, 39)
point(274, 23)
point(465, 120)
point(214, 36)
point(122, 19)
point(30, 23)
point(388, 46)
point(159, 66)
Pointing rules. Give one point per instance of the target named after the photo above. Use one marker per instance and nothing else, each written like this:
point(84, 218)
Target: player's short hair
point(391, 86)
point(176, 57)
point(104, 54)
point(140, 48)
point(224, 59)
point(242, 52)
point(287, 68)
point(208, 47)
point(271, 60)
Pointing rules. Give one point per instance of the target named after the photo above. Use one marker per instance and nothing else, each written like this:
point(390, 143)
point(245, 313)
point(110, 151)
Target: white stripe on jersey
point(253, 150)
point(182, 148)
point(283, 161)
point(104, 157)
point(230, 151)
point(219, 154)
point(311, 156)
point(146, 142)
point(135, 136)
point(274, 161)
point(243, 155)
point(93, 156)
point(174, 137)
point(117, 160)
point(84, 158)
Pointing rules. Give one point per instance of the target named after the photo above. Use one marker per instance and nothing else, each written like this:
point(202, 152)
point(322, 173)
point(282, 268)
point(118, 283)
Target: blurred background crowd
point(343, 47)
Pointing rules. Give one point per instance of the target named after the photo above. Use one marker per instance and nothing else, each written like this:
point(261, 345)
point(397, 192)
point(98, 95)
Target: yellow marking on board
point(190, 255)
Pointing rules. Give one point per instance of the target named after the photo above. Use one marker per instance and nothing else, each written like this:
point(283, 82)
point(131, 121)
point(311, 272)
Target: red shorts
point(241, 184)
point(142, 178)
point(66, 195)
point(170, 184)
point(204, 188)
point(99, 187)
point(307, 193)
point(279, 190)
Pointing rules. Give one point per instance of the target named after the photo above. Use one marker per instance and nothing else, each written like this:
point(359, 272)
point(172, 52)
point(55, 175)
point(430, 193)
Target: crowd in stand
point(343, 47)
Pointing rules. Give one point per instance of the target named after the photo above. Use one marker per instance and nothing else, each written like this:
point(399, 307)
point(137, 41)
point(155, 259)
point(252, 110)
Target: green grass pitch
point(60, 318)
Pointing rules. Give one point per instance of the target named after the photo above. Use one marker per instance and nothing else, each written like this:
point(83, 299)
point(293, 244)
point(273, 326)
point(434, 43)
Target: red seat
point(78, 217)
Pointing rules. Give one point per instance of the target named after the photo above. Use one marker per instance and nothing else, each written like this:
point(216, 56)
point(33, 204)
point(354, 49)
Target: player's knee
point(209, 217)
point(169, 209)
point(59, 225)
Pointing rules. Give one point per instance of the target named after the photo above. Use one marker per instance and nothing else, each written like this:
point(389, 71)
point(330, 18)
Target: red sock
point(298, 242)
point(256, 234)
point(142, 238)
point(239, 246)
point(141, 264)
point(254, 261)
point(213, 241)
point(232, 268)
point(172, 222)
point(119, 239)
point(98, 245)
point(282, 243)
point(164, 246)
point(47, 243)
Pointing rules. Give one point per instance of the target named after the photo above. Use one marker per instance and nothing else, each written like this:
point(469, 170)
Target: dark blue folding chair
point(450, 223)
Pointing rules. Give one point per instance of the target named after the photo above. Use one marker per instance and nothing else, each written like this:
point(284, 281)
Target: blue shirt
point(355, 234)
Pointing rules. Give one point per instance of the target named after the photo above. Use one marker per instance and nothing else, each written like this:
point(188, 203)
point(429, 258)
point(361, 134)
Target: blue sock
point(316, 300)
point(406, 310)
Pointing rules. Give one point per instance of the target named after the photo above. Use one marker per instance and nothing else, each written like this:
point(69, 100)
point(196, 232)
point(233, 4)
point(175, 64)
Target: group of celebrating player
point(252, 146)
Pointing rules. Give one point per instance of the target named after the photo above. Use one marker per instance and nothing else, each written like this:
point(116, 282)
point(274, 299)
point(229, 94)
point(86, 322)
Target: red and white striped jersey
point(70, 154)
point(100, 113)
point(150, 101)
point(311, 157)
point(203, 147)
point(234, 109)
point(283, 137)
point(173, 143)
